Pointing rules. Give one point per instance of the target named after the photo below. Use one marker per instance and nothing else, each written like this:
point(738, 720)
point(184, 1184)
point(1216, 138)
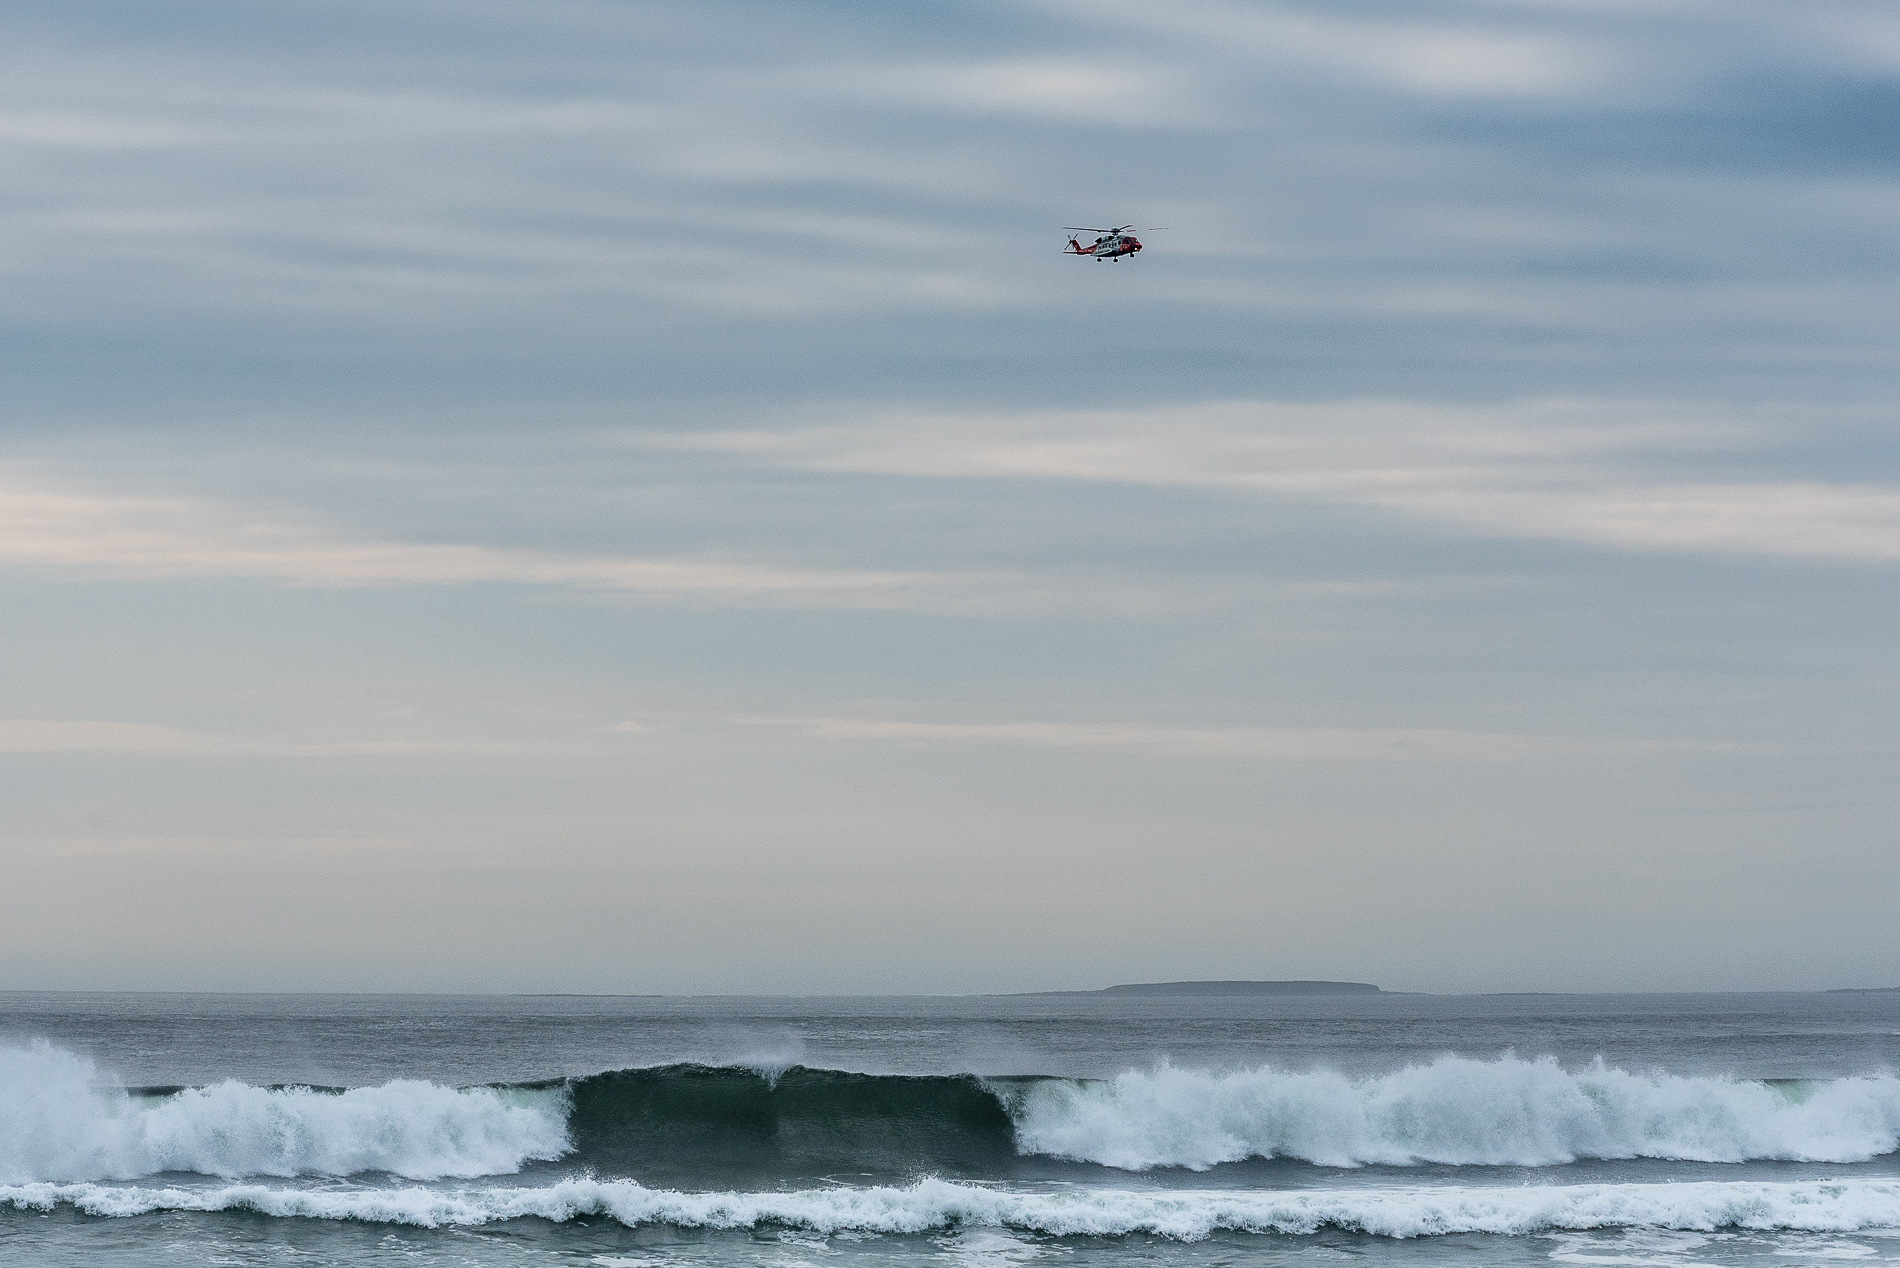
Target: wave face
point(58, 1123)
point(1505, 1112)
point(800, 1121)
point(1832, 1207)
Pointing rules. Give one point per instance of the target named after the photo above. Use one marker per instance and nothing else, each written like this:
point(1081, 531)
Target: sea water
point(971, 1132)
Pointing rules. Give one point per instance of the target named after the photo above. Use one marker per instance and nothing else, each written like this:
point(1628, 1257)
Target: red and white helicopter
point(1112, 245)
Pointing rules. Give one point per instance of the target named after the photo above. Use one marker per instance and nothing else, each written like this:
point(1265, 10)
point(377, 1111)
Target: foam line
point(1833, 1207)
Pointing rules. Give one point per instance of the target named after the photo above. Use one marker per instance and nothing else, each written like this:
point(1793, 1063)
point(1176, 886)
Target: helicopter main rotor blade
point(1086, 229)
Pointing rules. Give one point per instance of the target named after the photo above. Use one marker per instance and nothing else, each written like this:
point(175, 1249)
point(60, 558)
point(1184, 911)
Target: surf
point(60, 1119)
point(1456, 1111)
point(63, 1121)
point(930, 1205)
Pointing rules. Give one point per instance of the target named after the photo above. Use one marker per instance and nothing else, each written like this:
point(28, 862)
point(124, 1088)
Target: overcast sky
point(599, 495)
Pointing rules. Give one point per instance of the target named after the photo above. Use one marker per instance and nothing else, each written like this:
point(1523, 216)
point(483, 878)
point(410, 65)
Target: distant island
point(1865, 990)
point(1227, 988)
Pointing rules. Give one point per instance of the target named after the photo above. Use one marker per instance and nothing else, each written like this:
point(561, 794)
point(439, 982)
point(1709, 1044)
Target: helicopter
point(1113, 244)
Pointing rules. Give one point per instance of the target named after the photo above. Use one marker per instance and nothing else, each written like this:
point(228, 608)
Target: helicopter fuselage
point(1109, 247)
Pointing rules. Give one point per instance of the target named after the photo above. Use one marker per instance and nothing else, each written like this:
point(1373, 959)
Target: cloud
point(156, 538)
point(31, 735)
point(87, 535)
point(324, 851)
point(1073, 90)
point(261, 117)
point(40, 735)
point(438, 199)
point(695, 166)
point(1602, 473)
point(1258, 743)
point(93, 130)
point(1437, 57)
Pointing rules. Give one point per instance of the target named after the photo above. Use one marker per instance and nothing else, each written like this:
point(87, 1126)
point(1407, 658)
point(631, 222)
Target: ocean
point(971, 1132)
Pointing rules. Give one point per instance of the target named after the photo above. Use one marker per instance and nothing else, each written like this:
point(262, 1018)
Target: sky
point(626, 496)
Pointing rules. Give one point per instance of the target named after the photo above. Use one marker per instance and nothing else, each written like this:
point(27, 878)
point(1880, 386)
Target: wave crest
point(1505, 1112)
point(58, 1121)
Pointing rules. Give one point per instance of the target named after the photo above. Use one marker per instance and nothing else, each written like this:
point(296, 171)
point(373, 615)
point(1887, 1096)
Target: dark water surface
point(343, 1040)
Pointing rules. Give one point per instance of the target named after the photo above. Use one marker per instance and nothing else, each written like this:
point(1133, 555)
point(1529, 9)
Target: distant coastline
point(1226, 988)
point(1865, 990)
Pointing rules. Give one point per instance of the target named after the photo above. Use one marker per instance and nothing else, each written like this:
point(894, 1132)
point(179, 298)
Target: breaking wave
point(1844, 1206)
point(1505, 1112)
point(796, 1121)
point(699, 1126)
point(60, 1121)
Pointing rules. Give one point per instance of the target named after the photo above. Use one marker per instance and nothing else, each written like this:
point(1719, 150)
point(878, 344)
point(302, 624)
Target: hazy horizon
point(1837, 990)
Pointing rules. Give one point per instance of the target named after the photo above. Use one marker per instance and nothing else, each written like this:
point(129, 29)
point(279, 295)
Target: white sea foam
point(59, 1120)
point(1830, 1207)
point(1508, 1112)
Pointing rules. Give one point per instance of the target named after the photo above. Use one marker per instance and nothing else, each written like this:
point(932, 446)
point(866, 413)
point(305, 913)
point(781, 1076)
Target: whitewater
point(929, 1205)
point(1580, 1128)
point(1457, 1111)
point(62, 1120)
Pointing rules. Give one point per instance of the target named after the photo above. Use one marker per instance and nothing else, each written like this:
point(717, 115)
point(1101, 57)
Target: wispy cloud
point(43, 735)
point(144, 538)
point(60, 528)
point(1255, 743)
point(94, 130)
point(1598, 472)
point(1432, 54)
point(1258, 743)
point(455, 194)
point(35, 735)
point(1099, 92)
